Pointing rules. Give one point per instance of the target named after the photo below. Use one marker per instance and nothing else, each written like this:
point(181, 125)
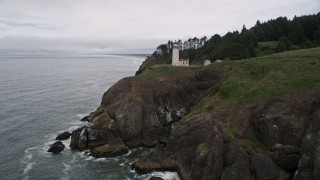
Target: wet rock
point(112, 149)
point(63, 136)
point(144, 167)
point(155, 178)
point(56, 147)
point(79, 139)
point(285, 156)
point(86, 118)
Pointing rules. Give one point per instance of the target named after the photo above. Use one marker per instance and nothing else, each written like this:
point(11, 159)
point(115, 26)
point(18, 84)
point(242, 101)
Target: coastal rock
point(309, 163)
point(155, 178)
point(63, 136)
point(79, 139)
point(231, 151)
point(264, 167)
point(286, 156)
point(205, 147)
point(273, 138)
point(112, 149)
point(240, 169)
point(56, 147)
point(86, 118)
point(142, 110)
point(195, 151)
point(281, 121)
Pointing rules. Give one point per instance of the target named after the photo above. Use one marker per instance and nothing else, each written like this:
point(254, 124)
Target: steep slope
point(264, 140)
point(249, 119)
point(141, 110)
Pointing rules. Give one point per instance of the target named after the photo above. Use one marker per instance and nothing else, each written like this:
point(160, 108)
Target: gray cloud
point(129, 26)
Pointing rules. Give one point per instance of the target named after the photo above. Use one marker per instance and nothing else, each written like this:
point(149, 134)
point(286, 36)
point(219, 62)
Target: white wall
point(175, 57)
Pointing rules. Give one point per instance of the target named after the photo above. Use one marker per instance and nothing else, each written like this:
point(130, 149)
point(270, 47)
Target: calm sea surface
point(41, 97)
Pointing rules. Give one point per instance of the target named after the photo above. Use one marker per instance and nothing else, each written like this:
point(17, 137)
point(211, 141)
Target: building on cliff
point(206, 62)
point(175, 57)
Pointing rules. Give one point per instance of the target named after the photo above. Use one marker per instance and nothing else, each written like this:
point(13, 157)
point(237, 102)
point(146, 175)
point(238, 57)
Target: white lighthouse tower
point(175, 55)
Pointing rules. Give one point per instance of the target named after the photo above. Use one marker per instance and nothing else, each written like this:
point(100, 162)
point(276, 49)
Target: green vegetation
point(265, 48)
point(229, 141)
point(253, 144)
point(202, 110)
point(272, 75)
point(275, 35)
point(260, 78)
point(164, 70)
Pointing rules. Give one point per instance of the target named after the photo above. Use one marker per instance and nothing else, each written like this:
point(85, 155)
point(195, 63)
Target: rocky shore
point(141, 111)
point(272, 138)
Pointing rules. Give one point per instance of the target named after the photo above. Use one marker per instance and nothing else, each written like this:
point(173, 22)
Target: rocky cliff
point(204, 124)
point(274, 139)
point(141, 110)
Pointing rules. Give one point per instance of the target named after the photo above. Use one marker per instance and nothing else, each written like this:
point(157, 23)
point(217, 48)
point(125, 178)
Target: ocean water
point(41, 97)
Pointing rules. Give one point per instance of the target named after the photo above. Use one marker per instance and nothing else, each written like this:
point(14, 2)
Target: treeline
point(275, 35)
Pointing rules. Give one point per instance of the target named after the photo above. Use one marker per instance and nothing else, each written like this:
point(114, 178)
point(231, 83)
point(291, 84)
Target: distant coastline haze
point(116, 27)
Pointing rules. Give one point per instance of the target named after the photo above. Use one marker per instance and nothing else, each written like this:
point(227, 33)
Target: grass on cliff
point(202, 110)
point(166, 70)
point(260, 78)
point(271, 75)
point(253, 79)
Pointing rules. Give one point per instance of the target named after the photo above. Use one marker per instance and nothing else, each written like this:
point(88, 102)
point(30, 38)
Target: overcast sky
point(129, 26)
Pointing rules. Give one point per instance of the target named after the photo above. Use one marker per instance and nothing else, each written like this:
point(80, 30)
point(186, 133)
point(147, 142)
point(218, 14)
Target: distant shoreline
point(73, 55)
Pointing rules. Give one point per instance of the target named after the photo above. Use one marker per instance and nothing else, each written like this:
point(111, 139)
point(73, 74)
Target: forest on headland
point(275, 35)
point(256, 118)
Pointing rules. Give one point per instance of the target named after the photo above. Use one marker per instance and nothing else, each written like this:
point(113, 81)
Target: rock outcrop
point(202, 147)
point(309, 163)
point(275, 138)
point(141, 110)
point(286, 156)
point(112, 149)
point(86, 118)
point(56, 147)
point(155, 178)
point(63, 136)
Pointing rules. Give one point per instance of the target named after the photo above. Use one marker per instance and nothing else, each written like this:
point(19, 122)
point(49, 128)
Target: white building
point(175, 57)
point(184, 62)
point(206, 62)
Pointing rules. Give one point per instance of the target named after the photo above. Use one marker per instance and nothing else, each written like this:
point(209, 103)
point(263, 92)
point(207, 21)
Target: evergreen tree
point(283, 45)
point(297, 35)
point(300, 32)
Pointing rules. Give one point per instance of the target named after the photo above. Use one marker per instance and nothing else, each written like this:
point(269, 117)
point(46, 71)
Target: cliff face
point(272, 139)
point(141, 110)
point(203, 129)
